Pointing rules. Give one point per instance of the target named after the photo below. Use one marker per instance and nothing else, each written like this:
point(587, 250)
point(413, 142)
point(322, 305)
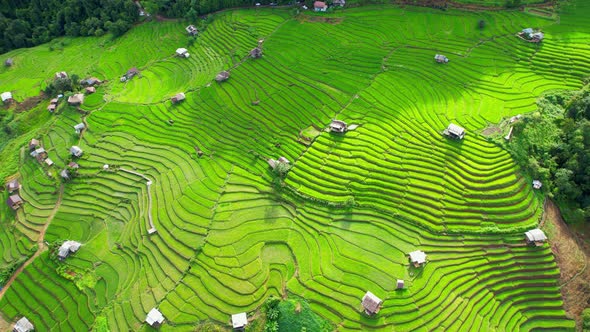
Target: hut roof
point(73, 165)
point(49, 162)
point(456, 130)
point(191, 29)
point(154, 317)
point(256, 52)
point(179, 97)
point(441, 58)
point(61, 74)
point(535, 235)
point(8, 62)
point(90, 89)
point(400, 284)
point(64, 174)
point(181, 51)
point(14, 201)
point(418, 257)
point(537, 184)
point(319, 4)
point(76, 151)
point(23, 325)
point(90, 81)
point(224, 75)
point(54, 101)
point(79, 127)
point(12, 185)
point(339, 2)
point(51, 107)
point(132, 71)
point(284, 160)
point(6, 96)
point(338, 126)
point(528, 31)
point(371, 303)
point(273, 163)
point(68, 247)
point(239, 320)
point(34, 143)
point(76, 99)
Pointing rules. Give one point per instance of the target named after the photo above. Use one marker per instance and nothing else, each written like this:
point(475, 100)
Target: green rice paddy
point(352, 205)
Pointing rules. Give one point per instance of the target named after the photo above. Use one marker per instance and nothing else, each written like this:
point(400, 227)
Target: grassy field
point(353, 205)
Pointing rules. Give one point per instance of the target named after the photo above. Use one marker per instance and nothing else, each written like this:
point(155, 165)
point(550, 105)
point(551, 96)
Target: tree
point(481, 24)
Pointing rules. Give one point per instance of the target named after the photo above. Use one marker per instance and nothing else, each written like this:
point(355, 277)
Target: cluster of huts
point(131, 73)
point(531, 35)
point(321, 6)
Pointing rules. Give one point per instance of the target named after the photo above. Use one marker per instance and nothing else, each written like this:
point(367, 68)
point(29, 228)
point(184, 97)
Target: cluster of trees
point(25, 23)
point(554, 145)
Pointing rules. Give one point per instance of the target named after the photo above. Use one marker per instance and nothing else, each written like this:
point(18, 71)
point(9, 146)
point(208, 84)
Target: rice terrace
point(280, 168)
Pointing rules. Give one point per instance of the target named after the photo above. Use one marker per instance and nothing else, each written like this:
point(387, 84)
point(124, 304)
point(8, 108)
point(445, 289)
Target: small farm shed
point(76, 151)
point(454, 131)
point(182, 52)
point(67, 248)
point(33, 144)
point(51, 107)
point(12, 186)
point(90, 90)
point(61, 74)
point(23, 325)
point(256, 52)
point(91, 81)
point(400, 284)
point(338, 126)
point(274, 163)
point(6, 97)
point(340, 3)
point(154, 318)
point(40, 154)
point(223, 76)
point(131, 72)
point(79, 127)
point(441, 58)
point(191, 30)
point(9, 62)
point(418, 258)
point(73, 165)
point(320, 6)
point(537, 184)
point(371, 303)
point(76, 99)
point(178, 98)
point(535, 236)
point(14, 201)
point(49, 162)
point(64, 174)
point(239, 321)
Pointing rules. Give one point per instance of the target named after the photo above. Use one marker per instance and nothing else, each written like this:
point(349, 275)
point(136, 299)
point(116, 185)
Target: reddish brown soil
point(572, 254)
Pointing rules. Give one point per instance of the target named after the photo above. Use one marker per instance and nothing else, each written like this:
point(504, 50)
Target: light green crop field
point(352, 205)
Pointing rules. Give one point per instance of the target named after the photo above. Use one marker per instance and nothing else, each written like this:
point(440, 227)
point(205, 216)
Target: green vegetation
point(354, 204)
point(296, 316)
point(554, 144)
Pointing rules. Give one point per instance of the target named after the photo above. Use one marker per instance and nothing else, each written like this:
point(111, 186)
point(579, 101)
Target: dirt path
point(573, 261)
point(40, 243)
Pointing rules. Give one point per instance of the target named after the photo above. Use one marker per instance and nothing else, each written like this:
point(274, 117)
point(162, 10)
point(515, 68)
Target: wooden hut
point(191, 30)
point(371, 303)
point(239, 321)
point(33, 144)
point(12, 186)
point(223, 76)
point(76, 151)
point(79, 127)
point(76, 100)
point(23, 325)
point(338, 126)
point(535, 237)
point(441, 58)
point(14, 201)
point(154, 318)
point(454, 131)
point(418, 258)
point(67, 248)
point(256, 52)
point(182, 52)
point(178, 98)
point(400, 284)
point(320, 6)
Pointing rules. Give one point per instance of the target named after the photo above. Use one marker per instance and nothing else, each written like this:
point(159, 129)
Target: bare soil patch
point(492, 130)
point(572, 257)
point(29, 103)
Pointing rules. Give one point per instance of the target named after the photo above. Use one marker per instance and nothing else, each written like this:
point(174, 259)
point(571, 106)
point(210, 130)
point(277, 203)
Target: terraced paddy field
point(351, 207)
